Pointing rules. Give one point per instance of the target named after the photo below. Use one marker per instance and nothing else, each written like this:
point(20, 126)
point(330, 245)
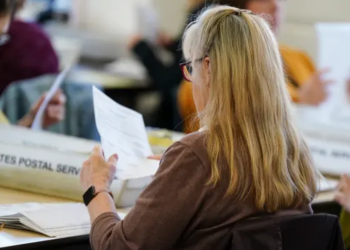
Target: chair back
point(297, 232)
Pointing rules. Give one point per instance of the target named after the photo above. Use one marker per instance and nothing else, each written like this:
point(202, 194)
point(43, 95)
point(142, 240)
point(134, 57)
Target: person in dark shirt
point(25, 50)
point(167, 78)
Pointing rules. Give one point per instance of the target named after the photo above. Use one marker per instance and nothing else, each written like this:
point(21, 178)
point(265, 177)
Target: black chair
point(299, 232)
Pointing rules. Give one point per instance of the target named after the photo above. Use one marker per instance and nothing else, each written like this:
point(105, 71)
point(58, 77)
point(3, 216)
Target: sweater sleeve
point(162, 212)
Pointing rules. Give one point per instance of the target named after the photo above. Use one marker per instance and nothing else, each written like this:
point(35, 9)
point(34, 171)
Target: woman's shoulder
point(188, 154)
point(195, 143)
point(294, 57)
point(27, 29)
point(288, 51)
point(194, 139)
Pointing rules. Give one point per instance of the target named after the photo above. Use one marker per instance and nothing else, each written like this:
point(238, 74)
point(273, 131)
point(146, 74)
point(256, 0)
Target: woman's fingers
point(155, 157)
point(55, 112)
point(323, 71)
point(344, 183)
point(113, 159)
point(321, 78)
point(97, 152)
point(343, 194)
point(59, 98)
point(340, 198)
point(328, 82)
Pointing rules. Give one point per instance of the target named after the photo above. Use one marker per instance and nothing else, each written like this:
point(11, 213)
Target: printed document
point(38, 120)
point(123, 132)
point(333, 46)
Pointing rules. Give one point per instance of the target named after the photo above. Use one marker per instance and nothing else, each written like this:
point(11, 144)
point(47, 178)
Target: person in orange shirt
point(305, 82)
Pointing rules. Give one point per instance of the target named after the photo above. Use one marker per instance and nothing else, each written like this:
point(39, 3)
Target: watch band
point(104, 191)
point(91, 193)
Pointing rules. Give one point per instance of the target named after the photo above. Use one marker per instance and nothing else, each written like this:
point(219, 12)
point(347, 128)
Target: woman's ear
point(207, 70)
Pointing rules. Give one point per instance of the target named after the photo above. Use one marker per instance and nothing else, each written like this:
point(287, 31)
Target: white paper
point(11, 209)
point(327, 185)
point(38, 120)
point(148, 22)
point(51, 219)
point(54, 220)
point(58, 221)
point(123, 132)
point(333, 47)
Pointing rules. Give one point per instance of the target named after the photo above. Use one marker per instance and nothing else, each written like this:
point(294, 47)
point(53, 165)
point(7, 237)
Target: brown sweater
point(177, 210)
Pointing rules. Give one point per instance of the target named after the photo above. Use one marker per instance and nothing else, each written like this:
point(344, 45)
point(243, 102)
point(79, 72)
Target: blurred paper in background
point(333, 47)
point(148, 22)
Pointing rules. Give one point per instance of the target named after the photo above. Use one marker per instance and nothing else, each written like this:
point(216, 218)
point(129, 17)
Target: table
point(16, 239)
point(105, 80)
point(324, 203)
point(121, 89)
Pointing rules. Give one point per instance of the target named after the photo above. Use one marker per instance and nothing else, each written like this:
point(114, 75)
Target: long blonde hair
point(247, 116)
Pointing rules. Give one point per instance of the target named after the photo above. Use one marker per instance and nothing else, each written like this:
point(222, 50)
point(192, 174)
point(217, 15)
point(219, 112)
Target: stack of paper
point(333, 44)
point(53, 220)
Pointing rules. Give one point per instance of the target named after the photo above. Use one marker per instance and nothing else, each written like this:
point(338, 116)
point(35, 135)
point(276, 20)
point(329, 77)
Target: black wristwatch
point(91, 193)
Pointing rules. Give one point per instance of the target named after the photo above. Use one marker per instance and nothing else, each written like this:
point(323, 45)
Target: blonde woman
point(248, 158)
point(304, 82)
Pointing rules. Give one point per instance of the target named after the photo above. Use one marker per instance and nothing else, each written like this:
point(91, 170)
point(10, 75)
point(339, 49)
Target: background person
point(54, 113)
point(166, 78)
point(26, 51)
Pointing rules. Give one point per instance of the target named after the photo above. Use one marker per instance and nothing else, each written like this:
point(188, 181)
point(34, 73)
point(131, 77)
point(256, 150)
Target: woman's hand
point(314, 92)
point(134, 40)
point(54, 113)
point(98, 172)
point(343, 194)
point(163, 39)
point(155, 157)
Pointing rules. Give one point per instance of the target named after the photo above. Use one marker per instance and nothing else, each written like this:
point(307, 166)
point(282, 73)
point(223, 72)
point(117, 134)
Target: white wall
point(298, 30)
point(110, 17)
point(118, 18)
point(173, 15)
